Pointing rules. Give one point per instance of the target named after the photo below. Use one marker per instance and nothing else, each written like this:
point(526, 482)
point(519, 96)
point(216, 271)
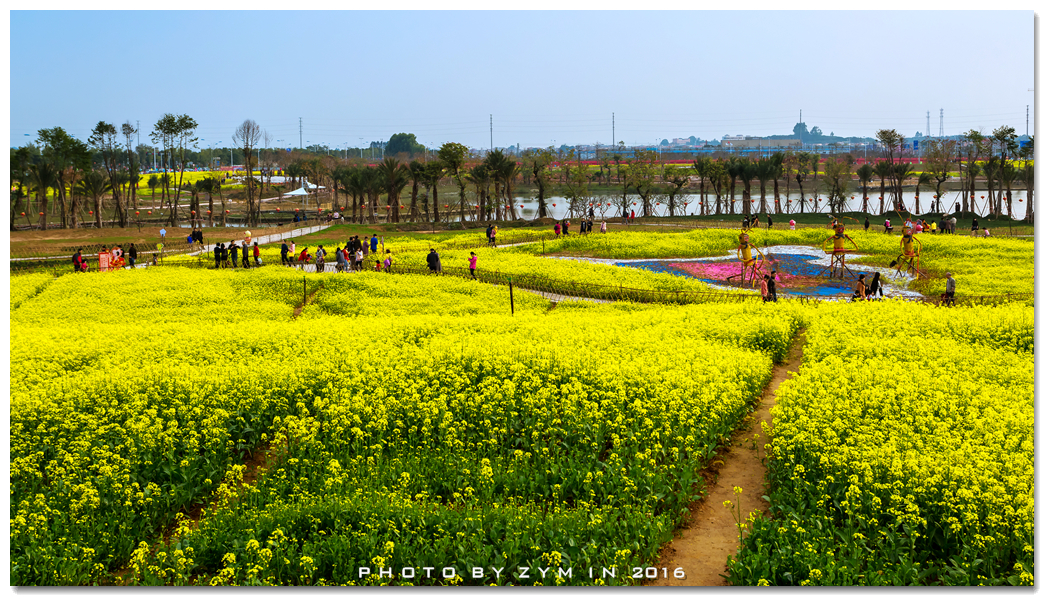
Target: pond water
point(558, 206)
point(800, 271)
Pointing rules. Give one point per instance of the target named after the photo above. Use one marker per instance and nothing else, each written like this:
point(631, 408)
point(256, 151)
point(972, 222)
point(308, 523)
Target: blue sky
point(544, 76)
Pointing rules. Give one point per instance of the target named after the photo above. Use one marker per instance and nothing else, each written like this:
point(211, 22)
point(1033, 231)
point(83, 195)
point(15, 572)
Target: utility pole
point(300, 133)
point(928, 127)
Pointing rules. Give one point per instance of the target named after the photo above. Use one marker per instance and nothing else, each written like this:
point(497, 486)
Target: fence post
point(304, 290)
point(511, 293)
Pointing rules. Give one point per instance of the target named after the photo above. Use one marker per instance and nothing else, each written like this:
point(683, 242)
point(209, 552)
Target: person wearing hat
point(951, 288)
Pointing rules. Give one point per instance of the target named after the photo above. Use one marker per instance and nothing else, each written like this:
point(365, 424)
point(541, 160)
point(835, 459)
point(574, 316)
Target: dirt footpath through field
point(702, 547)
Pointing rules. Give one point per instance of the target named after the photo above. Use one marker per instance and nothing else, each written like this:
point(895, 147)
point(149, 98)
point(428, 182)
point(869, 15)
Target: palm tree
point(495, 163)
point(152, 184)
point(373, 184)
point(507, 172)
point(763, 168)
point(416, 177)
point(971, 171)
point(356, 186)
point(865, 173)
point(883, 170)
point(94, 184)
point(41, 178)
point(206, 186)
point(733, 167)
point(433, 171)
point(1026, 177)
point(924, 179)
point(395, 176)
point(900, 171)
point(481, 177)
point(775, 171)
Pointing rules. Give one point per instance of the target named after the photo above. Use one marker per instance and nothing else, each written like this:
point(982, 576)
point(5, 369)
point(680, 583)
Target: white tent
point(297, 192)
point(308, 186)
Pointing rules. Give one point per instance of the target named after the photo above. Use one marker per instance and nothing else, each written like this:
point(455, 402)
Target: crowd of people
point(108, 259)
point(229, 256)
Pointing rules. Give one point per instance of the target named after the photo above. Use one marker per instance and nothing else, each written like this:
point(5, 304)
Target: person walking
point(257, 255)
point(632, 216)
point(764, 288)
point(489, 233)
point(768, 220)
point(951, 289)
point(245, 255)
point(432, 260)
point(438, 263)
point(583, 227)
point(387, 261)
point(473, 264)
point(565, 228)
point(283, 250)
point(235, 253)
point(493, 238)
point(558, 229)
point(77, 260)
point(359, 256)
point(132, 255)
point(603, 228)
point(373, 243)
point(888, 226)
point(975, 226)
point(772, 286)
point(320, 259)
point(217, 256)
point(338, 260)
point(293, 253)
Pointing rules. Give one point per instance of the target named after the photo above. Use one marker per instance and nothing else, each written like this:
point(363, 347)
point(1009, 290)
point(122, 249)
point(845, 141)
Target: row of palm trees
point(492, 179)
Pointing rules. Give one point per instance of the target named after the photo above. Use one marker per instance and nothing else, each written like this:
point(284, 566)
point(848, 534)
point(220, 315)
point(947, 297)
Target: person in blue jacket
point(373, 244)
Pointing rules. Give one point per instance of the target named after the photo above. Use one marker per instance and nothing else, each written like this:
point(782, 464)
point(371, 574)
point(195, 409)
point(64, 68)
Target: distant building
point(743, 142)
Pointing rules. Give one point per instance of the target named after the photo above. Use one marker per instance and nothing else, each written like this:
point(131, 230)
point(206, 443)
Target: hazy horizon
point(546, 77)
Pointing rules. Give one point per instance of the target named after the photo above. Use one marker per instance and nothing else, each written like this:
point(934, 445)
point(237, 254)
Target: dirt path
point(710, 536)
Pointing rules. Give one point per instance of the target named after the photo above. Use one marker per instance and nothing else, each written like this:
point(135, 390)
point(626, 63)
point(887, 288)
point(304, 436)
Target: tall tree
point(453, 155)
point(403, 144)
point(865, 173)
point(837, 172)
point(883, 170)
point(247, 136)
point(894, 143)
point(1006, 147)
point(62, 151)
point(133, 169)
point(417, 178)
point(395, 175)
point(94, 185)
point(433, 171)
point(676, 179)
point(541, 176)
point(42, 177)
point(939, 162)
point(644, 169)
point(19, 170)
point(175, 133)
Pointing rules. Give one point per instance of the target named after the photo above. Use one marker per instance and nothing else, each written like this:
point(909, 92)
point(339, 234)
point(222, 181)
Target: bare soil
point(703, 546)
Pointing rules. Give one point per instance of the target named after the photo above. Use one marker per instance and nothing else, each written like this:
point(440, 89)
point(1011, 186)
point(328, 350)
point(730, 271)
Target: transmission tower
point(941, 134)
point(928, 125)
